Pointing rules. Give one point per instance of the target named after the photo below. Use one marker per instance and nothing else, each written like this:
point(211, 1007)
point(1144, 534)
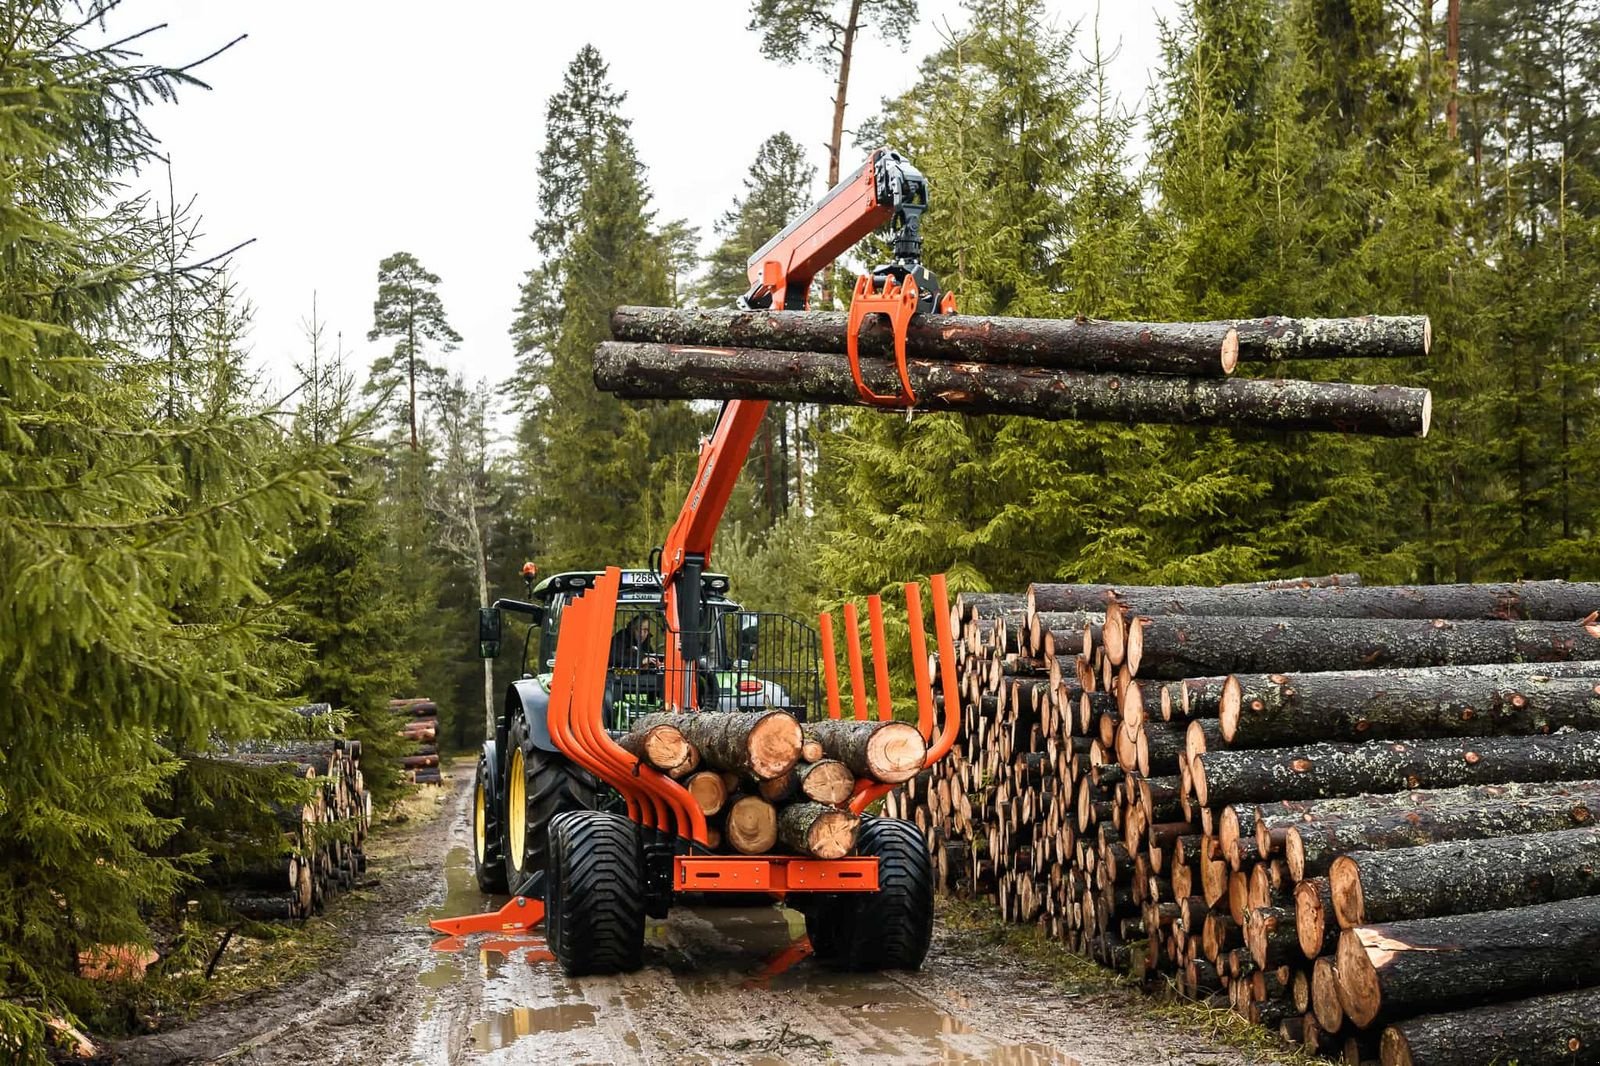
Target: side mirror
point(488, 632)
point(749, 635)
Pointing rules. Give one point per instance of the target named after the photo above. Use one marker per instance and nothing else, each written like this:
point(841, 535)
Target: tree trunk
point(1262, 710)
point(1399, 968)
point(1548, 601)
point(659, 743)
point(661, 371)
point(1459, 877)
point(1175, 646)
point(752, 826)
point(1198, 349)
point(1555, 1030)
point(1454, 814)
point(1367, 337)
point(761, 744)
point(817, 829)
point(826, 781)
point(890, 752)
point(1317, 771)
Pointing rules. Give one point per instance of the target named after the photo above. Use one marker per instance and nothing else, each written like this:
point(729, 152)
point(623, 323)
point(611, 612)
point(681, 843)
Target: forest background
point(183, 555)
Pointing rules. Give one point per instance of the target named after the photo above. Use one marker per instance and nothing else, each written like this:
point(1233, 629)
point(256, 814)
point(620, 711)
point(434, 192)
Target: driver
point(633, 643)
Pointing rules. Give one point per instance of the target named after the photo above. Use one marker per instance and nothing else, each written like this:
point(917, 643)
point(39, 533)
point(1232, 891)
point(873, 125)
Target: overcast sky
point(343, 130)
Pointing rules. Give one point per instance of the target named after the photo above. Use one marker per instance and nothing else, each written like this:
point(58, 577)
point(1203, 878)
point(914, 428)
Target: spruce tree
point(408, 309)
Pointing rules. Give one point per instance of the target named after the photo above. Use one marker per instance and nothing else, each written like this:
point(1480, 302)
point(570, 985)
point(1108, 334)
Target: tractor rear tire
point(891, 928)
point(543, 784)
point(594, 921)
point(488, 824)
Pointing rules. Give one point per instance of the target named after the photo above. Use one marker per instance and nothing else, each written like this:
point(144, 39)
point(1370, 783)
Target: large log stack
point(763, 780)
point(1084, 369)
point(418, 722)
point(1361, 816)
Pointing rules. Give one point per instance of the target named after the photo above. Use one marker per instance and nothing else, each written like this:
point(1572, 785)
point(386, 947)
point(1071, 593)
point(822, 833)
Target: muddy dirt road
point(719, 986)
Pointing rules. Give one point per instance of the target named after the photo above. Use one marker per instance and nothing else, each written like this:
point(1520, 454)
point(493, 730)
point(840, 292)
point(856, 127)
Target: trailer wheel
point(825, 919)
point(539, 786)
point(488, 830)
point(594, 920)
point(890, 929)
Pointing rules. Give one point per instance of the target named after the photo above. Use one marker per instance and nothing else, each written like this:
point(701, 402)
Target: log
point(762, 744)
point(817, 829)
point(752, 825)
point(811, 751)
point(1460, 877)
point(1316, 771)
point(826, 781)
point(1325, 994)
point(1452, 814)
point(778, 790)
point(661, 371)
point(1265, 710)
point(264, 907)
point(1313, 917)
point(1366, 337)
point(1550, 601)
point(1207, 349)
point(1399, 968)
point(662, 745)
point(1175, 646)
point(1320, 581)
point(890, 752)
point(1270, 935)
point(708, 791)
point(1562, 1029)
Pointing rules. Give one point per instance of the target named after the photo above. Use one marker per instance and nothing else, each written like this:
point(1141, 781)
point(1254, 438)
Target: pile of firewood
point(1362, 816)
point(762, 779)
point(1137, 372)
point(419, 724)
point(323, 831)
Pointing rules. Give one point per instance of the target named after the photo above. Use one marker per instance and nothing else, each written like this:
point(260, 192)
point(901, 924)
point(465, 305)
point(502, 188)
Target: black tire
point(594, 920)
point(891, 928)
point(550, 786)
point(825, 920)
point(488, 824)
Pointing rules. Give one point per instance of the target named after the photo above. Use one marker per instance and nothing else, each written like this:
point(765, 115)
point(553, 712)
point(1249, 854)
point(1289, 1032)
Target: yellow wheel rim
point(516, 809)
point(479, 840)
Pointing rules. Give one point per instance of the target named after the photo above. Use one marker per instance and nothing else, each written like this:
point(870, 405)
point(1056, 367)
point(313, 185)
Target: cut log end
point(827, 781)
point(708, 791)
point(1230, 351)
point(752, 827)
point(1348, 905)
point(896, 752)
point(1359, 993)
point(1427, 413)
point(775, 744)
point(1228, 705)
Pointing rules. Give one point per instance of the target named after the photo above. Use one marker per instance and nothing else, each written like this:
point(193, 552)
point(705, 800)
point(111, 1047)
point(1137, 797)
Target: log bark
point(1265, 710)
point(1315, 771)
point(662, 745)
point(817, 829)
point(1270, 935)
point(1176, 646)
point(1201, 349)
point(752, 826)
point(1366, 337)
point(826, 781)
point(659, 371)
point(1550, 601)
point(762, 744)
point(890, 752)
point(1399, 968)
point(1453, 814)
point(1562, 1029)
point(1459, 877)
point(1320, 581)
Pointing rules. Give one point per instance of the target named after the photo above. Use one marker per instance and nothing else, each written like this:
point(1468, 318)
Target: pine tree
point(408, 308)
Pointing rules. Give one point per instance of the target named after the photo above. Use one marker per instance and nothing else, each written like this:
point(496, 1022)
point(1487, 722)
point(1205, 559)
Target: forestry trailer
point(591, 838)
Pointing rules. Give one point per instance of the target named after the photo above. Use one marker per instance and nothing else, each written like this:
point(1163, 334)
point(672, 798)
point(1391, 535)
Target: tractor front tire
point(488, 824)
point(891, 928)
point(594, 919)
point(539, 786)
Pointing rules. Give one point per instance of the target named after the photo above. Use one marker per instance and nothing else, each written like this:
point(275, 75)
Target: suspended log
point(661, 744)
point(762, 744)
point(1315, 771)
point(1551, 601)
point(817, 829)
point(1459, 877)
point(1366, 337)
point(826, 781)
point(1265, 710)
point(1205, 349)
point(890, 752)
point(660, 371)
point(752, 825)
point(1452, 814)
point(1562, 1029)
point(1175, 646)
point(1399, 968)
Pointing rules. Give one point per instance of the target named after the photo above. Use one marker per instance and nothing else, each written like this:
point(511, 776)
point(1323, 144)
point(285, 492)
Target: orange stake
point(919, 661)
point(852, 650)
point(830, 662)
point(880, 657)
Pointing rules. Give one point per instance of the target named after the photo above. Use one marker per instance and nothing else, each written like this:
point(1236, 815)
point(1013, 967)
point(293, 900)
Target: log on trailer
point(1562, 1029)
point(890, 752)
point(662, 371)
point(661, 744)
point(817, 829)
point(827, 781)
point(762, 744)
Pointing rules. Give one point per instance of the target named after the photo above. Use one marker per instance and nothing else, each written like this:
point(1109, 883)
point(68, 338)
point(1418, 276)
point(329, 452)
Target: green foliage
point(408, 309)
point(794, 31)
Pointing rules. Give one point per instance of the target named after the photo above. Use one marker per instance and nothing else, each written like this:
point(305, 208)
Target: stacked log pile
point(1137, 372)
point(419, 723)
point(763, 780)
point(324, 829)
point(1360, 816)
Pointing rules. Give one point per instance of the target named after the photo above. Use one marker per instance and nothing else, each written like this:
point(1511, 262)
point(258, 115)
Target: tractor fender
point(530, 698)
